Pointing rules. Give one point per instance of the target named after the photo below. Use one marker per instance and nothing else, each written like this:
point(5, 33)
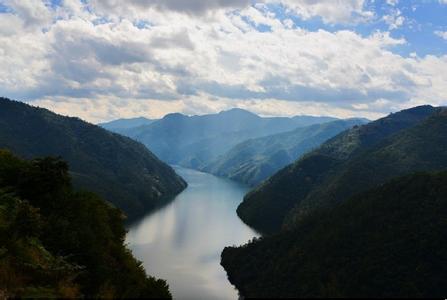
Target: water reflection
point(182, 242)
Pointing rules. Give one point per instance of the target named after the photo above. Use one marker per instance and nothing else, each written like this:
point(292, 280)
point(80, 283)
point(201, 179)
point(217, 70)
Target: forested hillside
point(355, 160)
point(121, 170)
point(59, 243)
point(387, 242)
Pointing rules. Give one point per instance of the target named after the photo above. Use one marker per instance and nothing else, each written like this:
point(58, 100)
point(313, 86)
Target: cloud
point(441, 34)
point(103, 62)
point(193, 7)
point(331, 11)
point(393, 2)
point(395, 19)
point(32, 12)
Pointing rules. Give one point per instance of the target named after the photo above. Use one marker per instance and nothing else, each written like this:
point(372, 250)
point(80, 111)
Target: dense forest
point(119, 169)
point(56, 242)
point(355, 160)
point(386, 242)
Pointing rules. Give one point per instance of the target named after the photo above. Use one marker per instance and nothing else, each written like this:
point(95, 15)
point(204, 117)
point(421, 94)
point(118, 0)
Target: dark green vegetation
point(55, 242)
point(387, 242)
point(255, 160)
point(355, 160)
point(121, 170)
point(196, 141)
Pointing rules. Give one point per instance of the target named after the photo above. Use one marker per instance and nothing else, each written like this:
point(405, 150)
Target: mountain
point(56, 242)
point(303, 120)
point(119, 169)
point(388, 242)
point(255, 160)
point(194, 141)
point(355, 160)
point(122, 125)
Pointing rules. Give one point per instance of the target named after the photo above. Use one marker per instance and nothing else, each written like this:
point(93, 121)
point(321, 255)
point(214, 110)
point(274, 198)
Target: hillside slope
point(255, 160)
point(353, 161)
point(59, 243)
point(121, 170)
point(387, 242)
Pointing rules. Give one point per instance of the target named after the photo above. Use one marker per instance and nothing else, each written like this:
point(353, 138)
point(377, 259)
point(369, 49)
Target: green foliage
point(121, 170)
point(353, 161)
point(386, 242)
point(56, 242)
point(254, 160)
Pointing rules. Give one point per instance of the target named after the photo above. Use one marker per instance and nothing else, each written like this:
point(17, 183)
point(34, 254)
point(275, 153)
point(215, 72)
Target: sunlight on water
point(182, 241)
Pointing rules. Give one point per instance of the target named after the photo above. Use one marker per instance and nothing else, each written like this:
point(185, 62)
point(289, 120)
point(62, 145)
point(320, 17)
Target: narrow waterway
point(182, 241)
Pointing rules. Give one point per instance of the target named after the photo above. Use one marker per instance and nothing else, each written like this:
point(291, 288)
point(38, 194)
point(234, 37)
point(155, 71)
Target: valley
point(223, 149)
point(256, 228)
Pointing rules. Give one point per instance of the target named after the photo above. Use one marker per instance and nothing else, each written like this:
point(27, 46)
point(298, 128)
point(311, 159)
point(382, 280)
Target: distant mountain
point(355, 160)
point(121, 170)
point(121, 125)
point(197, 140)
point(388, 242)
point(303, 120)
point(255, 160)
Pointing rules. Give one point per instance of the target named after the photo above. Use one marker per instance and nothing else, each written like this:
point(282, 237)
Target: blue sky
point(104, 59)
point(421, 20)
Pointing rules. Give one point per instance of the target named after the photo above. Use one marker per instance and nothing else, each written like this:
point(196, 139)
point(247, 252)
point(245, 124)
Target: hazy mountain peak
point(125, 123)
point(237, 111)
point(134, 119)
point(175, 116)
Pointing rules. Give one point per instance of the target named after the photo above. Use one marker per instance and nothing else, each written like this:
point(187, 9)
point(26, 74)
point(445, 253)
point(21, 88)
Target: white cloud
point(393, 2)
point(441, 34)
point(395, 19)
point(194, 7)
point(331, 11)
point(101, 65)
point(32, 12)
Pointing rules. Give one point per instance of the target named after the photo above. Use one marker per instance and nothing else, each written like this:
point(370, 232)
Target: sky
point(106, 59)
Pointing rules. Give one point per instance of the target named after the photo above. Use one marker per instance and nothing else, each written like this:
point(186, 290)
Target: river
point(182, 241)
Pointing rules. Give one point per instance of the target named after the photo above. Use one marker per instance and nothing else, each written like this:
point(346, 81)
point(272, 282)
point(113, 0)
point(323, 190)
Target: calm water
point(182, 242)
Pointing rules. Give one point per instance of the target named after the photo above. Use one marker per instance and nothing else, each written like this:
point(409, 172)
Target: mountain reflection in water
point(182, 241)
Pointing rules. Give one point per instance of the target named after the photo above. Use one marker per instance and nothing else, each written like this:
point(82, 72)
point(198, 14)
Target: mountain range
point(195, 141)
point(121, 170)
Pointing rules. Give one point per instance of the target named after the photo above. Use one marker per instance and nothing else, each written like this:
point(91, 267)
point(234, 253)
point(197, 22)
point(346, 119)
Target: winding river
point(182, 242)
